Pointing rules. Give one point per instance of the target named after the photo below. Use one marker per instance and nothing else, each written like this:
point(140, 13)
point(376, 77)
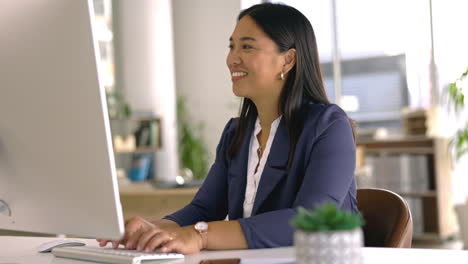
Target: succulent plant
point(326, 217)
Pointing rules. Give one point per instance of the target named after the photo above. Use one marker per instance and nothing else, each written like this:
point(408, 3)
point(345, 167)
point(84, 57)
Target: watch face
point(201, 226)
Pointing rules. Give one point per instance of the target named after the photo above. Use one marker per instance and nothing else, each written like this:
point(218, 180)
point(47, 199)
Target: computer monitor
point(57, 172)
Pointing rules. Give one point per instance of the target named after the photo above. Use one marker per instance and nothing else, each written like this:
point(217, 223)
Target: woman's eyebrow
point(244, 39)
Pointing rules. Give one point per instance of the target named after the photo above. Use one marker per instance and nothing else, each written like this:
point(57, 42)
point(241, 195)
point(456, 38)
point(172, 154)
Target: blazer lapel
point(275, 167)
point(237, 177)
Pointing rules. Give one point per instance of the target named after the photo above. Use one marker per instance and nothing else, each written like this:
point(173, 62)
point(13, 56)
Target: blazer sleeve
point(210, 203)
point(329, 172)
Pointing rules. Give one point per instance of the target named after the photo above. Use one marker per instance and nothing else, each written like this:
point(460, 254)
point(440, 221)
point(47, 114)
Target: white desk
point(19, 250)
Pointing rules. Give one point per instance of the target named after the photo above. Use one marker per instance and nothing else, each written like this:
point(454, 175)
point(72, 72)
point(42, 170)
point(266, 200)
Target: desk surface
point(19, 250)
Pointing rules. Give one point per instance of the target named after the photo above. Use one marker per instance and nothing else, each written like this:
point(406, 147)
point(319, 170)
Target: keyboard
point(114, 256)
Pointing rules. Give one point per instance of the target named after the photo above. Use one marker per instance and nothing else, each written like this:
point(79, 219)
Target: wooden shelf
point(438, 218)
point(152, 136)
point(408, 142)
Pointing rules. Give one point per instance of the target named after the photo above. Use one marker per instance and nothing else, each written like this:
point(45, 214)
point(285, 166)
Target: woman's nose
point(233, 58)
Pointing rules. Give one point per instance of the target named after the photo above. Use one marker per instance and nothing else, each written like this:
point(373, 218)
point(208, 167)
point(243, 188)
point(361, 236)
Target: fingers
point(158, 239)
point(133, 223)
point(137, 222)
point(180, 246)
point(102, 242)
point(115, 244)
point(171, 246)
point(134, 227)
point(144, 238)
point(141, 235)
point(182, 240)
point(133, 238)
point(131, 227)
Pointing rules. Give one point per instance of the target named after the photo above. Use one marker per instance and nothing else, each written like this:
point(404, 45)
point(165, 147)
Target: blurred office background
point(388, 63)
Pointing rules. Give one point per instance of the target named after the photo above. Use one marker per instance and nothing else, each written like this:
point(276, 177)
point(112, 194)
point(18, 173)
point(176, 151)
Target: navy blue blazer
point(322, 170)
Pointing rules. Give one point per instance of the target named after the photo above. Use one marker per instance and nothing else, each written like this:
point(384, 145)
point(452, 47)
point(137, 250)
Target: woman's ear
point(289, 60)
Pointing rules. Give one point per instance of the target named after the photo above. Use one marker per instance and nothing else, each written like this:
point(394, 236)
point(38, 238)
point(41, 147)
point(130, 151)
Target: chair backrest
point(388, 218)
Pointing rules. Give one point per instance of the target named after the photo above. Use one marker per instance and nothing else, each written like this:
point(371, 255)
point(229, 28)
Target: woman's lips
point(237, 75)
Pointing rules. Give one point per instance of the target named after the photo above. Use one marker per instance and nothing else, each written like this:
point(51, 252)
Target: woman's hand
point(134, 227)
point(143, 235)
point(185, 240)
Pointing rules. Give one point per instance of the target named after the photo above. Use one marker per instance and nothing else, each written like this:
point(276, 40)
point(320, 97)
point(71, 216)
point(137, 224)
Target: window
point(381, 44)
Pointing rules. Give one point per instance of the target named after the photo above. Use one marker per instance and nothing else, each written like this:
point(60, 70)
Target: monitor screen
point(57, 172)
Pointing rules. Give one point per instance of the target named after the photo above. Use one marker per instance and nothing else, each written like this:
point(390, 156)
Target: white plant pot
point(462, 215)
point(334, 247)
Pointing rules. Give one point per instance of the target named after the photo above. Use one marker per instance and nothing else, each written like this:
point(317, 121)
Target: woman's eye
point(243, 46)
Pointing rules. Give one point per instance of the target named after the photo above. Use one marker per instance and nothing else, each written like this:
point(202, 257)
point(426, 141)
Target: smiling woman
point(280, 153)
point(255, 62)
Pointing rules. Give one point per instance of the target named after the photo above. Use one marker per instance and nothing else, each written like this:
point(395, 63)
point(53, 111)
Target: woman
point(290, 147)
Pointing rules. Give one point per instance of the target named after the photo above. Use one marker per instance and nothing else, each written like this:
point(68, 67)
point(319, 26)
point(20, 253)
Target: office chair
point(388, 218)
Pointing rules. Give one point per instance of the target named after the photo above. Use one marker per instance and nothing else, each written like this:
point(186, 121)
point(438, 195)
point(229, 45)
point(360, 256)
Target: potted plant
point(119, 113)
point(327, 235)
point(456, 96)
point(192, 148)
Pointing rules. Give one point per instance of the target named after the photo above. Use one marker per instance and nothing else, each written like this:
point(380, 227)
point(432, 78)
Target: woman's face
point(254, 62)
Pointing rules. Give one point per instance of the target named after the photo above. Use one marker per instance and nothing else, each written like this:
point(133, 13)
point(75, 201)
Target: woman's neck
point(267, 113)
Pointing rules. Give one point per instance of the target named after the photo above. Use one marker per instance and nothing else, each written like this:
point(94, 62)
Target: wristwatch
point(202, 229)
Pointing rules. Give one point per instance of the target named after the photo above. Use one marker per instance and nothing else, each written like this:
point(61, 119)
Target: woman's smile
point(238, 75)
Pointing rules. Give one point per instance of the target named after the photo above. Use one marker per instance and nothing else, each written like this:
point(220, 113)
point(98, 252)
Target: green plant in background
point(456, 96)
point(326, 217)
point(192, 148)
point(118, 107)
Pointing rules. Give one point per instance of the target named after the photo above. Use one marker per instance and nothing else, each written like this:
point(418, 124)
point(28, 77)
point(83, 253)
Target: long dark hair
point(289, 29)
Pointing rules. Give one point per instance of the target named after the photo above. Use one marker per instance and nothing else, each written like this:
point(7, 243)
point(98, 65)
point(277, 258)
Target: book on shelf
point(417, 214)
point(142, 167)
point(154, 134)
point(143, 137)
point(147, 134)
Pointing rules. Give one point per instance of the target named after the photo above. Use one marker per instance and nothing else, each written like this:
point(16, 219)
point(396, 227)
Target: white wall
point(201, 37)
point(145, 69)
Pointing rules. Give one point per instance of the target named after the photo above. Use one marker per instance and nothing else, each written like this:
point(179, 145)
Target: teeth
point(238, 74)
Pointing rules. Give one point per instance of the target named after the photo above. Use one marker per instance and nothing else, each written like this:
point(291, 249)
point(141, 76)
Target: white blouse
point(253, 178)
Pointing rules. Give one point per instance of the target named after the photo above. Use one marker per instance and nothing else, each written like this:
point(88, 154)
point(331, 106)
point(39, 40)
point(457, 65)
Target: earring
point(282, 76)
